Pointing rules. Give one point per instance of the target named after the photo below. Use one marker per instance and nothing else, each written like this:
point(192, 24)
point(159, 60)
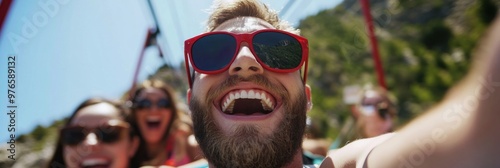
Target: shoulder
point(355, 153)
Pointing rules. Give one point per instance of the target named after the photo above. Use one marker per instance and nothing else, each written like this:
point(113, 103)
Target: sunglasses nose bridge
point(154, 108)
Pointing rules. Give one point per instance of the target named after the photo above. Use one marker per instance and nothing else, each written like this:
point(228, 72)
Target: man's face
point(248, 115)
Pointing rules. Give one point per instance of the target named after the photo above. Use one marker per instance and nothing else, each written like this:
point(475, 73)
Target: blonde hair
point(222, 11)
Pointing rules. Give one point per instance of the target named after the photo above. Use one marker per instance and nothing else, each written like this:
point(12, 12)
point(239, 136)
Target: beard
point(246, 146)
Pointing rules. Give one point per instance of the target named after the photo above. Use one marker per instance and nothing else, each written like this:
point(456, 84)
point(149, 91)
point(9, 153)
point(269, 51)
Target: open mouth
point(248, 102)
point(96, 163)
point(153, 122)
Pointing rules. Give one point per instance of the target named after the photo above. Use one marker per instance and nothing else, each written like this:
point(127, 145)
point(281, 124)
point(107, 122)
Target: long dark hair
point(57, 160)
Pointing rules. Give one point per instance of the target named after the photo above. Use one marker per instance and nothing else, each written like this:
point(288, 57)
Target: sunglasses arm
point(188, 70)
point(305, 71)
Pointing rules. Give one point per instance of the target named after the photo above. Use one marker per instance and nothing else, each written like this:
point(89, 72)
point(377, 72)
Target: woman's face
point(373, 121)
point(153, 114)
point(98, 137)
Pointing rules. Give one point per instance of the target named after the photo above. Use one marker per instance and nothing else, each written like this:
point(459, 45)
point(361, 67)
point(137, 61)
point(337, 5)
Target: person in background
point(96, 134)
point(375, 113)
point(163, 127)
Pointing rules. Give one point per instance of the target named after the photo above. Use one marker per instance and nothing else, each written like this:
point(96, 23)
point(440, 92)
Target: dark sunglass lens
point(109, 134)
point(382, 112)
point(73, 136)
point(141, 104)
point(278, 50)
point(163, 103)
point(213, 52)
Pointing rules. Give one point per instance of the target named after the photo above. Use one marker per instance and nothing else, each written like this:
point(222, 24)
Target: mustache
point(257, 79)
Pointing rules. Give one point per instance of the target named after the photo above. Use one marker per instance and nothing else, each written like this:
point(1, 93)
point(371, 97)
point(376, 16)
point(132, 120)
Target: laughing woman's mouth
point(153, 122)
point(96, 163)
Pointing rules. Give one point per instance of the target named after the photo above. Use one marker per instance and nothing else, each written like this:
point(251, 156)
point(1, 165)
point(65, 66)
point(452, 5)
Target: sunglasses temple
point(305, 71)
point(188, 70)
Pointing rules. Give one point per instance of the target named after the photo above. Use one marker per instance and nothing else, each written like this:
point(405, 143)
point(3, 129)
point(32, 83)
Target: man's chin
point(245, 131)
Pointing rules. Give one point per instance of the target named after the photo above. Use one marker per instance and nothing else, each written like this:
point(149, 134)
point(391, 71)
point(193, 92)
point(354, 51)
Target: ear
point(188, 97)
point(309, 98)
point(133, 147)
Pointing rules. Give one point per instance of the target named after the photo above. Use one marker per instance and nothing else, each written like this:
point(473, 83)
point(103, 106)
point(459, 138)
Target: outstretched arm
point(461, 131)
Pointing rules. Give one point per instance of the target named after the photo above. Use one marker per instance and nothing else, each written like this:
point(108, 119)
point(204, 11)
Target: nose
point(245, 63)
point(90, 144)
point(154, 107)
point(91, 139)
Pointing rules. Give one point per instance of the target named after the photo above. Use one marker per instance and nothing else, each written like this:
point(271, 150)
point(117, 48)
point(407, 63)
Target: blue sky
point(70, 50)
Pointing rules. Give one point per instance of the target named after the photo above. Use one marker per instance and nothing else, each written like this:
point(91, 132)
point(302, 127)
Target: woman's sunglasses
point(109, 133)
point(370, 109)
point(146, 104)
point(276, 50)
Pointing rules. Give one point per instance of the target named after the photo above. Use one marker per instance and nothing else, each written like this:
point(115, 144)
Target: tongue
point(247, 107)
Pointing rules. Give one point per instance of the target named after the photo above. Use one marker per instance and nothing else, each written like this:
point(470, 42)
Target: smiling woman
point(164, 128)
point(96, 134)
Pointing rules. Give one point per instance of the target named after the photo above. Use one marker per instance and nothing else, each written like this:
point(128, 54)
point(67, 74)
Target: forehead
point(244, 24)
point(95, 115)
point(152, 93)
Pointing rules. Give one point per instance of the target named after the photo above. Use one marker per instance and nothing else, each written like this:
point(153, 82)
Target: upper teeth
point(92, 162)
point(228, 104)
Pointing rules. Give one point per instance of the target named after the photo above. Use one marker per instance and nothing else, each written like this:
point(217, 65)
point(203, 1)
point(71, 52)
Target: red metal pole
point(151, 39)
point(139, 64)
point(373, 41)
point(4, 10)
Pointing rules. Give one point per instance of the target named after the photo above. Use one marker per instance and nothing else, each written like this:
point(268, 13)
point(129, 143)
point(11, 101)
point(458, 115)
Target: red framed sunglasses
point(275, 50)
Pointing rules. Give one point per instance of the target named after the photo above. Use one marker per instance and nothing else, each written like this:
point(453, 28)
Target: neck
point(295, 163)
point(297, 160)
point(156, 152)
